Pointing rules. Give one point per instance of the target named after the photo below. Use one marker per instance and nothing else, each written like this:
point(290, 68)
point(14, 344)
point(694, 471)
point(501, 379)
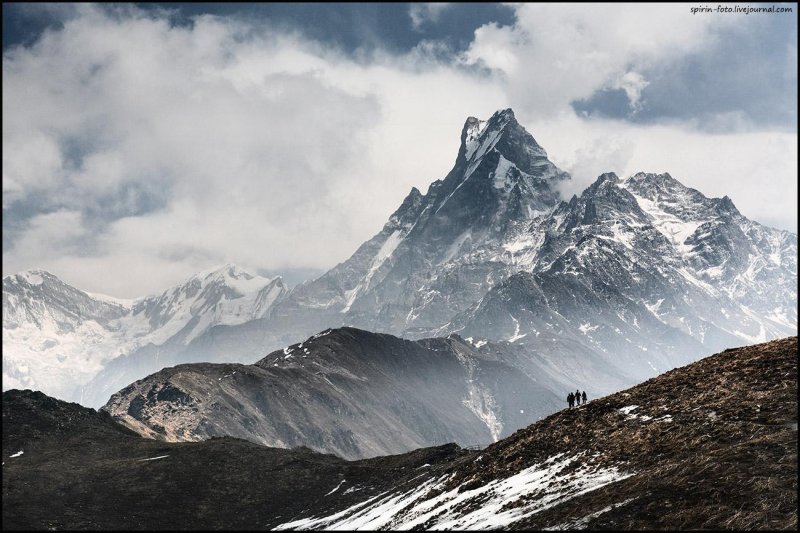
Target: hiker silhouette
point(578, 397)
point(584, 396)
point(570, 399)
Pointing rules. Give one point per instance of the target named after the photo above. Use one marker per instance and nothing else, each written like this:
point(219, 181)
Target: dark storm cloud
point(352, 26)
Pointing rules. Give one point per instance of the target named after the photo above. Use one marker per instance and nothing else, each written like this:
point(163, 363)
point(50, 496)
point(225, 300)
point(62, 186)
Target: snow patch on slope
point(497, 504)
point(673, 228)
point(516, 335)
point(31, 277)
point(387, 249)
point(500, 178)
point(473, 132)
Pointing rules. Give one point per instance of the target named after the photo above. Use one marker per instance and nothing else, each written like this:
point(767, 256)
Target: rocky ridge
point(346, 391)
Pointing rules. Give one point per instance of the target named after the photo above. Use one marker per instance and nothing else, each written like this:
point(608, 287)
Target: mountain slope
point(712, 445)
point(753, 264)
point(709, 446)
point(129, 482)
point(625, 281)
point(346, 391)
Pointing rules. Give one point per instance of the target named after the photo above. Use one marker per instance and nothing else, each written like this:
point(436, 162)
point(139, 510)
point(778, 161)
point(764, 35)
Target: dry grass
point(727, 460)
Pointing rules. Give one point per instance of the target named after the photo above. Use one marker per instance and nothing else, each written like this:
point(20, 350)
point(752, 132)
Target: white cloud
point(30, 162)
point(558, 53)
point(53, 234)
point(267, 150)
point(756, 169)
point(163, 150)
point(633, 84)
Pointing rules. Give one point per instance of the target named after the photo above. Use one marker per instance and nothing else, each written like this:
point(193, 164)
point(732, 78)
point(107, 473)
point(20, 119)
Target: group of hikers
point(576, 397)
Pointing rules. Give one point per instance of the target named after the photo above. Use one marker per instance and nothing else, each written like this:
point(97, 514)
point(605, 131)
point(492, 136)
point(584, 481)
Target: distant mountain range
point(633, 277)
point(57, 338)
point(712, 445)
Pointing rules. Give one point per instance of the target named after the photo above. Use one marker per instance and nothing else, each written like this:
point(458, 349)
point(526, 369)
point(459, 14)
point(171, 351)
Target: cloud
point(594, 155)
point(757, 170)
point(720, 85)
point(136, 151)
point(633, 84)
point(196, 145)
point(559, 53)
point(422, 14)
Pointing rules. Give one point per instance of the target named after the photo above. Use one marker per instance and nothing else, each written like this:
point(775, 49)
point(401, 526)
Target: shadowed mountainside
point(345, 391)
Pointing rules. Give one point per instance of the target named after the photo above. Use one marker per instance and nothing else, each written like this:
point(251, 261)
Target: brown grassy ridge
point(726, 458)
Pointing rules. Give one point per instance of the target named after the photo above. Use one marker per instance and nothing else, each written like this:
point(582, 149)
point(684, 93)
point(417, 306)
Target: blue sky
point(161, 139)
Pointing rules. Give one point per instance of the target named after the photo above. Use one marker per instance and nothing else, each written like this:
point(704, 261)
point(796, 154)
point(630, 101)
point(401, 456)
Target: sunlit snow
point(496, 504)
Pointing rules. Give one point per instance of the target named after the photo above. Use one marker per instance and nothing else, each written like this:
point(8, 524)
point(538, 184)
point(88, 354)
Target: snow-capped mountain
point(751, 263)
point(637, 275)
point(497, 213)
point(647, 284)
point(439, 252)
point(56, 338)
point(642, 273)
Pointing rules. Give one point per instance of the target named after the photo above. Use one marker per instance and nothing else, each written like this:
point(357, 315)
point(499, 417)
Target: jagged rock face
point(347, 391)
point(646, 273)
point(57, 338)
point(709, 446)
point(440, 251)
point(751, 263)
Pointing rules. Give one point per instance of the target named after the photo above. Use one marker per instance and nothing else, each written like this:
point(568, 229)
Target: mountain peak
point(603, 181)
point(474, 126)
point(725, 204)
point(502, 135)
point(675, 196)
point(609, 177)
point(469, 133)
point(31, 277)
point(653, 179)
point(408, 210)
point(226, 271)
